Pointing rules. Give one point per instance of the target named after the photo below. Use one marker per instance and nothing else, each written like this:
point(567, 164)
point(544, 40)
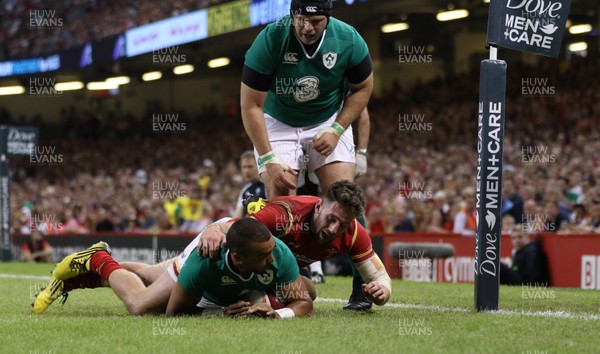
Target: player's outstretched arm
point(181, 302)
point(378, 284)
point(297, 297)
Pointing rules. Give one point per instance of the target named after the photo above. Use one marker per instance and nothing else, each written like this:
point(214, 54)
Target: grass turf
point(427, 318)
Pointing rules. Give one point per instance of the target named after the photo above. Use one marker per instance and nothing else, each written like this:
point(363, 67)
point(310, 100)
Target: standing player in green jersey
point(294, 106)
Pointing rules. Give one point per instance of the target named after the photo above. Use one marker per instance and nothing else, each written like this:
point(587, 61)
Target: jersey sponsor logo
point(226, 280)
point(311, 9)
point(308, 89)
point(290, 58)
point(329, 59)
point(266, 277)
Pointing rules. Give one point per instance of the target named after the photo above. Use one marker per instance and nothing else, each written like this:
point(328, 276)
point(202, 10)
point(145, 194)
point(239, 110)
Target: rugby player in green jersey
point(255, 261)
point(293, 96)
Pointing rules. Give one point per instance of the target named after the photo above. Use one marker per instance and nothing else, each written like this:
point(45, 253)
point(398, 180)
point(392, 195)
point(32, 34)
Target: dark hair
point(244, 231)
point(349, 195)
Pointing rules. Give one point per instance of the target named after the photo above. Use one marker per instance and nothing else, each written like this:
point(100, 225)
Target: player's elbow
point(304, 308)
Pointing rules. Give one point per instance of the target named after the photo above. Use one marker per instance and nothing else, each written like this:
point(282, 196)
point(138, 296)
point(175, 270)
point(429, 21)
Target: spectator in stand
point(375, 220)
point(443, 157)
point(529, 262)
point(253, 185)
point(438, 214)
point(464, 221)
point(105, 223)
point(404, 222)
point(508, 223)
point(80, 22)
point(37, 249)
point(512, 202)
point(554, 220)
point(76, 222)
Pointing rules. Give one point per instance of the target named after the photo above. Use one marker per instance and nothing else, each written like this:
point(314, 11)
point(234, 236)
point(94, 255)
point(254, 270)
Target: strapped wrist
point(286, 312)
point(265, 158)
point(338, 129)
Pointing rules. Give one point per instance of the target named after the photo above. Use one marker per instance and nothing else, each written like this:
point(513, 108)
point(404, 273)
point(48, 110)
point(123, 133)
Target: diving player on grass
point(254, 261)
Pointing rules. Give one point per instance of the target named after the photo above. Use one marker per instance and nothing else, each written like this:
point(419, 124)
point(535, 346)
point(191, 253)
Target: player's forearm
point(373, 271)
point(222, 225)
point(355, 103)
point(180, 302)
point(364, 129)
point(254, 123)
point(301, 308)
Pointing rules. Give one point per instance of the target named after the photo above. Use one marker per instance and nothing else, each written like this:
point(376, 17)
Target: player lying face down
point(253, 260)
point(256, 262)
point(316, 229)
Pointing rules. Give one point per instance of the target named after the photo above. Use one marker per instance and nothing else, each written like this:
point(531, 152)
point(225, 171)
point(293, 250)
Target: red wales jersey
point(288, 218)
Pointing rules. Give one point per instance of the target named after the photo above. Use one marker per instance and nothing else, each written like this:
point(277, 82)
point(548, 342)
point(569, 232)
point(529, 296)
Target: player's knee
point(137, 309)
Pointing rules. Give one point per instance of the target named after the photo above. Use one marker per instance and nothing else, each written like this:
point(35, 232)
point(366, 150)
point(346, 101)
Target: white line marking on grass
point(554, 314)
point(17, 276)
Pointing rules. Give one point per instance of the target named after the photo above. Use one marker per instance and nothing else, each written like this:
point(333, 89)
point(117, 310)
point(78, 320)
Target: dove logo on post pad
point(529, 25)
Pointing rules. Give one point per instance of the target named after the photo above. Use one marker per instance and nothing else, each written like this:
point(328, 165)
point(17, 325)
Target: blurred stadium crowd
point(117, 174)
point(72, 20)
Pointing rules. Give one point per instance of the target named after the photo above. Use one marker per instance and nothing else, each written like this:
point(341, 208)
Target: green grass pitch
point(421, 318)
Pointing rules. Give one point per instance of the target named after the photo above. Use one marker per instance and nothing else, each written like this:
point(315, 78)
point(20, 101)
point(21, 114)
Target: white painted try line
point(553, 314)
point(18, 276)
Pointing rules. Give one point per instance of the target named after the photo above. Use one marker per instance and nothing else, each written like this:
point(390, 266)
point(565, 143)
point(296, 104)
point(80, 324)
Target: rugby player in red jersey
point(317, 228)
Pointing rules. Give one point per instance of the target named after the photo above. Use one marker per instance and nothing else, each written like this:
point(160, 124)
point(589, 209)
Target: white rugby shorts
point(294, 145)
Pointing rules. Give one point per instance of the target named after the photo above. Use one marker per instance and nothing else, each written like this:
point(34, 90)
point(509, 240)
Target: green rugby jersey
point(305, 91)
point(216, 281)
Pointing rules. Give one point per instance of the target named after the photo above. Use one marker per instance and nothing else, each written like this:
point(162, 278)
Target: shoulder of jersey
point(343, 31)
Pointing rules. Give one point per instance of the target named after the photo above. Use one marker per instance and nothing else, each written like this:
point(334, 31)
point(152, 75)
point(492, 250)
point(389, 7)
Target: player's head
point(248, 166)
point(250, 245)
point(333, 214)
point(519, 237)
point(310, 18)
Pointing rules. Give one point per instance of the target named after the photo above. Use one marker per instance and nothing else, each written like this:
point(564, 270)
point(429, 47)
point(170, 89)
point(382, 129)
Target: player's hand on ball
point(375, 293)
point(238, 309)
point(325, 141)
point(262, 310)
point(211, 241)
